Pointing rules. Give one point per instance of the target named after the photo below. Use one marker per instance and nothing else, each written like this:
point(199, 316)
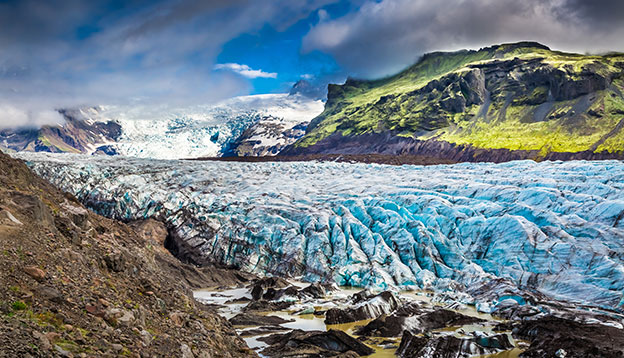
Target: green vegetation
point(516, 96)
point(56, 143)
point(18, 306)
point(47, 318)
point(69, 346)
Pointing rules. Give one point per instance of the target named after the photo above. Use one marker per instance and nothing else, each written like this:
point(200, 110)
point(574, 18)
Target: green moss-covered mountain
point(521, 99)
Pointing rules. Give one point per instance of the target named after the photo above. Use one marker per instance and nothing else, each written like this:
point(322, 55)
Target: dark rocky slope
point(74, 284)
point(388, 148)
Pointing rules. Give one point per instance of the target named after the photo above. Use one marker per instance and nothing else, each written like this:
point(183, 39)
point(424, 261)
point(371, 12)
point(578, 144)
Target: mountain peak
point(517, 45)
point(308, 89)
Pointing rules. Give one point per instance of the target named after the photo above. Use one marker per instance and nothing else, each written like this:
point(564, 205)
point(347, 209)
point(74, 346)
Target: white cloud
point(307, 76)
point(245, 70)
point(322, 15)
point(12, 116)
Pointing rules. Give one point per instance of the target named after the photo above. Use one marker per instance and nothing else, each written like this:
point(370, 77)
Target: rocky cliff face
point(513, 101)
point(74, 284)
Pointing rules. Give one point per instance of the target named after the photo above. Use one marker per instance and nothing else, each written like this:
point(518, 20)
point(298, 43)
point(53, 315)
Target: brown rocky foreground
point(75, 284)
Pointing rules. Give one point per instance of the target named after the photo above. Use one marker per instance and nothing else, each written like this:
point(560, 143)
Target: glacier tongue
point(555, 227)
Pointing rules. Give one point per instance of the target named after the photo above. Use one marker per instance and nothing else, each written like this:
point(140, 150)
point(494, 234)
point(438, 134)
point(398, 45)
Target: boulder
point(44, 342)
point(126, 319)
point(35, 272)
point(363, 307)
point(272, 282)
point(266, 306)
point(186, 351)
point(256, 292)
point(273, 294)
point(315, 290)
point(252, 319)
point(313, 344)
point(115, 261)
point(260, 285)
point(49, 293)
point(178, 318)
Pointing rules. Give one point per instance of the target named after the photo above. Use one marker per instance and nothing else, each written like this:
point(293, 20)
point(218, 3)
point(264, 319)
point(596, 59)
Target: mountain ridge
point(520, 97)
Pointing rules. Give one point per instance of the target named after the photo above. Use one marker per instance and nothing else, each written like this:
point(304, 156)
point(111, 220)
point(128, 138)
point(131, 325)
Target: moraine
point(553, 229)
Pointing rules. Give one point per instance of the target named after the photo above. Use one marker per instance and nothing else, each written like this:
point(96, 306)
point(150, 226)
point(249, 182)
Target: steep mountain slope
point(74, 284)
point(504, 102)
point(81, 133)
point(171, 133)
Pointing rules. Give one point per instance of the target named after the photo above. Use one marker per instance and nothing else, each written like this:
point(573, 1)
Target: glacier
point(164, 132)
point(555, 228)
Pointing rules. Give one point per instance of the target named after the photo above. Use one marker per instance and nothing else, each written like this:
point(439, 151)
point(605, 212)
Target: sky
point(65, 53)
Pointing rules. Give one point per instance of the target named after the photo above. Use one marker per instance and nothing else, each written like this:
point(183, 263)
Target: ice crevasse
point(553, 227)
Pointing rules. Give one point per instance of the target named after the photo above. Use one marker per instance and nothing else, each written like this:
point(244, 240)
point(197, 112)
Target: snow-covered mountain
point(169, 133)
point(554, 228)
point(268, 137)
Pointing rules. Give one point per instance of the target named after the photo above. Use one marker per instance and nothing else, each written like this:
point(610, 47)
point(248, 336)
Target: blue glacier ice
point(553, 227)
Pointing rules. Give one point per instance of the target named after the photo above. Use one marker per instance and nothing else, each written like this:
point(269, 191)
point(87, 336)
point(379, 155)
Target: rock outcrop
point(267, 137)
point(362, 307)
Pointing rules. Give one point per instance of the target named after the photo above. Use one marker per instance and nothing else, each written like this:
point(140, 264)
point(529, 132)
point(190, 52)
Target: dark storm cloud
point(383, 37)
point(598, 13)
